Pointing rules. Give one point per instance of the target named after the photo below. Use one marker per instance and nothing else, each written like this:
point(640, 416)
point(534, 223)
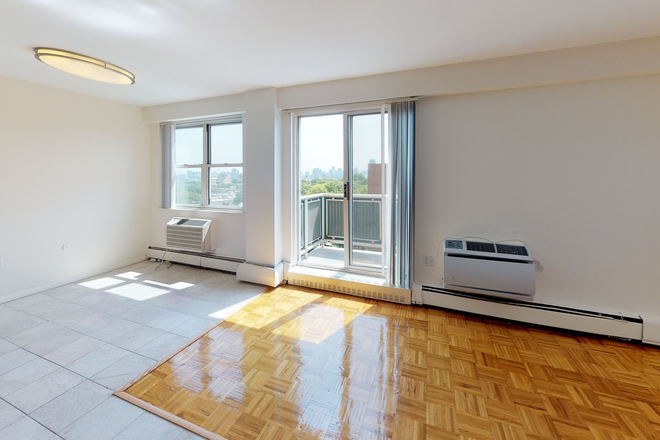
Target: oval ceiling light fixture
point(82, 65)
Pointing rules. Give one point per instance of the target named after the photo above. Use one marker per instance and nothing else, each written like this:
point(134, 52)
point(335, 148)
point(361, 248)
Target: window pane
point(227, 143)
point(226, 187)
point(188, 186)
point(189, 147)
point(367, 160)
point(321, 154)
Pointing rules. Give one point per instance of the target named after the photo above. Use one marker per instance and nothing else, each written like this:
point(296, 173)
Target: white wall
point(228, 228)
point(570, 169)
point(587, 63)
point(253, 234)
point(558, 149)
point(75, 170)
point(262, 178)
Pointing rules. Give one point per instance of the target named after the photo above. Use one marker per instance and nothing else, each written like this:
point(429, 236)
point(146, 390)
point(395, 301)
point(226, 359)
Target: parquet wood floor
point(301, 364)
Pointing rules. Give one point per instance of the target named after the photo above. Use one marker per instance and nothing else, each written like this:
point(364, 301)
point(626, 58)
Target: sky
point(321, 141)
point(226, 147)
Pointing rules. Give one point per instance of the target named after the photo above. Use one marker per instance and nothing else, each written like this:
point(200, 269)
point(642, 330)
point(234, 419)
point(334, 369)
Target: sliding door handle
point(346, 188)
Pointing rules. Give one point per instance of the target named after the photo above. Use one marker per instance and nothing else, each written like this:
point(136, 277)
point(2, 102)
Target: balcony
point(322, 232)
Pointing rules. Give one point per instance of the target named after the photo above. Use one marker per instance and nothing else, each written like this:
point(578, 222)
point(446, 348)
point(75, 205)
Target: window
point(208, 164)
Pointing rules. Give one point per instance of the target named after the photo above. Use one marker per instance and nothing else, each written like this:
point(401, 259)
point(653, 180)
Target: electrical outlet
point(429, 260)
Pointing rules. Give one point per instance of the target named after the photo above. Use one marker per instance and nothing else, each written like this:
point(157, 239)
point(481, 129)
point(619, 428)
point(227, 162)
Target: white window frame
point(206, 164)
point(346, 111)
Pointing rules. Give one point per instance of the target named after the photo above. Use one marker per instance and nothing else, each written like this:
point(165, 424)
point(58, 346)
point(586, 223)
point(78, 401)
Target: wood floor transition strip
point(168, 416)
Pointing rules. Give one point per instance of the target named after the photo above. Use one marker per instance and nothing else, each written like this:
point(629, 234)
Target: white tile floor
point(64, 351)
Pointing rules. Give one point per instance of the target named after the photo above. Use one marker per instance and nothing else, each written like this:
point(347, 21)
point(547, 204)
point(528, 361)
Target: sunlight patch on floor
point(129, 275)
point(138, 292)
point(229, 310)
point(176, 286)
point(101, 283)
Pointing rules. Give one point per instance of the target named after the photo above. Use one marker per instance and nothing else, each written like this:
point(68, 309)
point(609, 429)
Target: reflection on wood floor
point(299, 363)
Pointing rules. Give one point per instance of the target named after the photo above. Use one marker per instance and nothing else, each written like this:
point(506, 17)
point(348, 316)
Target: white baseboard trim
point(191, 258)
point(63, 282)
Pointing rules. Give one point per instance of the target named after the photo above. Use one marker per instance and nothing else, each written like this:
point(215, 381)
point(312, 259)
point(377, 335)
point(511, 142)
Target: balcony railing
point(322, 220)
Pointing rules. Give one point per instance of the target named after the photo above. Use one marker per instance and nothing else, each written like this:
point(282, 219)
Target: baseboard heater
point(345, 283)
point(193, 258)
point(587, 321)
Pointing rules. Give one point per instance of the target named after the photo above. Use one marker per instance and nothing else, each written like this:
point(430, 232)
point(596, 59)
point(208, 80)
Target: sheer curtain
point(167, 159)
point(401, 158)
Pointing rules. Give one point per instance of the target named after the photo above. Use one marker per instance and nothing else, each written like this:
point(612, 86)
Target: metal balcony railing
point(322, 220)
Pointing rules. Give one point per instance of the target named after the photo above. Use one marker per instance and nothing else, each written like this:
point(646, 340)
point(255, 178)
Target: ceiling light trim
point(84, 66)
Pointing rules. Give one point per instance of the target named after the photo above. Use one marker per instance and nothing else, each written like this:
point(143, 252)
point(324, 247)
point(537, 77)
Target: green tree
point(360, 184)
point(319, 188)
point(333, 186)
point(305, 185)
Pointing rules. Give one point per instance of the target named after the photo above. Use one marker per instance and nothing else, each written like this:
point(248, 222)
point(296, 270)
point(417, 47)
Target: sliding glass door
point(342, 190)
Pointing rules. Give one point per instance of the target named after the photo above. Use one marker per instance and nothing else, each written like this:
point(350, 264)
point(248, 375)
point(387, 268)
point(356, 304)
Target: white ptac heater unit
point(487, 268)
point(189, 233)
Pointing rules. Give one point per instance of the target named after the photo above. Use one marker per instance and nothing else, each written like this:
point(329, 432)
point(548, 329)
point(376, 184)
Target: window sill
point(204, 209)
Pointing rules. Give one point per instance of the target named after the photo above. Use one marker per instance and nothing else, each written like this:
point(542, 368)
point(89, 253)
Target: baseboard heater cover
point(192, 258)
point(651, 328)
point(296, 276)
point(587, 321)
point(267, 276)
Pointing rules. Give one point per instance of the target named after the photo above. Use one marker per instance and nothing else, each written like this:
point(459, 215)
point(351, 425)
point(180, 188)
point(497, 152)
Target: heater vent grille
point(479, 246)
point(364, 293)
point(189, 234)
point(511, 250)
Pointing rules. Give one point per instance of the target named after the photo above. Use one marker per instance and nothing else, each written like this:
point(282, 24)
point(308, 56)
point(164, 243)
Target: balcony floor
point(333, 258)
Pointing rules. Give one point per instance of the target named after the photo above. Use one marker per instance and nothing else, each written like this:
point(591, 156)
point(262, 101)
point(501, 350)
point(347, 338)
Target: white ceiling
point(182, 50)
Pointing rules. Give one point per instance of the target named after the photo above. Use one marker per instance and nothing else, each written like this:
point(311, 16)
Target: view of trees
point(189, 191)
point(226, 188)
point(332, 186)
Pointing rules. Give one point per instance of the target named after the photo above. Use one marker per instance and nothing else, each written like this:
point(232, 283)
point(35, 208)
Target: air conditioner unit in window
point(487, 268)
point(189, 233)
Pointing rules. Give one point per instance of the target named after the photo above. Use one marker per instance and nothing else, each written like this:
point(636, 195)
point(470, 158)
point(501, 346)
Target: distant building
point(375, 178)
